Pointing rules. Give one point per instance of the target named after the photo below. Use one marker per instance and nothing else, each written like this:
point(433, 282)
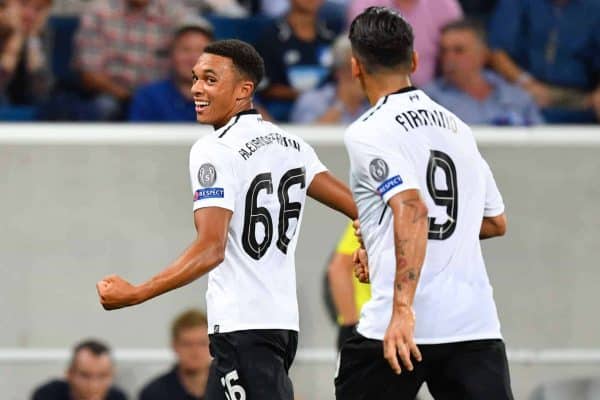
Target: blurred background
point(97, 121)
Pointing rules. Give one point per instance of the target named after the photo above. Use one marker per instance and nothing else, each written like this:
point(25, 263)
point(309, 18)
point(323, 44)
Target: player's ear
point(245, 89)
point(355, 67)
point(415, 62)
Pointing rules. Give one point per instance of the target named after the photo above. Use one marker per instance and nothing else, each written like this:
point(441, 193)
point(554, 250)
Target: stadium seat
point(17, 113)
point(577, 388)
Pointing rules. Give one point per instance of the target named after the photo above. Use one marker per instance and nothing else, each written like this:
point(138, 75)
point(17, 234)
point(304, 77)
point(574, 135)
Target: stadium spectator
point(187, 379)
point(427, 17)
point(90, 376)
point(24, 74)
point(552, 49)
point(122, 44)
point(225, 8)
point(476, 95)
point(297, 56)
point(170, 100)
point(338, 101)
point(480, 10)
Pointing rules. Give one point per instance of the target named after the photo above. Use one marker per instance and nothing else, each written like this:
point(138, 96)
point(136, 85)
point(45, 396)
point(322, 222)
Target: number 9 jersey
point(407, 141)
point(261, 174)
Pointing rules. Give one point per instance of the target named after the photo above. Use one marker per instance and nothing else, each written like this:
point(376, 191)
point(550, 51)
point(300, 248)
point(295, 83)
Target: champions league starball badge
point(379, 169)
point(207, 175)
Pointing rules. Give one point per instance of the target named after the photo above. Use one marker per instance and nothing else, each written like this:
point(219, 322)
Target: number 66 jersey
point(407, 141)
point(261, 174)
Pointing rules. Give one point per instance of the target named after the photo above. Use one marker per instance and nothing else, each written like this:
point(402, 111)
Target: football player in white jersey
point(250, 180)
point(425, 197)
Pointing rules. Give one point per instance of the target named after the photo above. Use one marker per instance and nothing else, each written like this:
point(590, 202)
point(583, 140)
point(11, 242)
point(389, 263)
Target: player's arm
point(493, 227)
point(410, 241)
point(327, 189)
point(339, 272)
point(205, 253)
point(494, 218)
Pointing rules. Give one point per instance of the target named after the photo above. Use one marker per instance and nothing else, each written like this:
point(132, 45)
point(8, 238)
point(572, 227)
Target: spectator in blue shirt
point(170, 100)
point(297, 56)
point(552, 49)
point(475, 95)
point(340, 101)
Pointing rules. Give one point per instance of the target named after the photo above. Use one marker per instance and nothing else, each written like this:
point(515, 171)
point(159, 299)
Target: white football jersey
point(407, 141)
point(261, 173)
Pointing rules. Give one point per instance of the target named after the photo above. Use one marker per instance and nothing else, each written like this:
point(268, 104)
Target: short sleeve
point(381, 167)
point(314, 166)
point(494, 205)
point(212, 176)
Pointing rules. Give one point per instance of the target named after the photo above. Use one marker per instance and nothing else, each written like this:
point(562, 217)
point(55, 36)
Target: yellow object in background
point(348, 245)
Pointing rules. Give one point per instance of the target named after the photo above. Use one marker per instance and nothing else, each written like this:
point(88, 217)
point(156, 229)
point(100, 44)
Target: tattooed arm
point(410, 240)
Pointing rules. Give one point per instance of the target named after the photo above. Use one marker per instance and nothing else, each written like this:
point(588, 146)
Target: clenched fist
point(115, 292)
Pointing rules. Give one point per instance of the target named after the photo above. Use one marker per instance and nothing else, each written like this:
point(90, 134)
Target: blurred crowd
point(502, 62)
point(90, 373)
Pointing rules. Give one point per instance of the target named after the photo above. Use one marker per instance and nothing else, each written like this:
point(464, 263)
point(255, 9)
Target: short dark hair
point(96, 347)
point(189, 319)
point(381, 38)
point(467, 24)
point(245, 58)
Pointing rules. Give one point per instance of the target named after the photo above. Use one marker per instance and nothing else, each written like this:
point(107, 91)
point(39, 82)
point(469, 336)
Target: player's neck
point(242, 106)
point(379, 86)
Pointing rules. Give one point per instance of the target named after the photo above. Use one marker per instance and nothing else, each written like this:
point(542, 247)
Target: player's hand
point(115, 292)
point(361, 265)
point(398, 342)
point(357, 232)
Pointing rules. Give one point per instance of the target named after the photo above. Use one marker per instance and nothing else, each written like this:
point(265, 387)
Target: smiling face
point(218, 89)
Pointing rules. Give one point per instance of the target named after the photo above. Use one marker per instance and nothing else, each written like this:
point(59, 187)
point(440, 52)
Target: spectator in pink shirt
point(427, 18)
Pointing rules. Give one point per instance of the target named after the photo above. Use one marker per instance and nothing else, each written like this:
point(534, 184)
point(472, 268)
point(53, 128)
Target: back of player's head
point(382, 40)
point(244, 57)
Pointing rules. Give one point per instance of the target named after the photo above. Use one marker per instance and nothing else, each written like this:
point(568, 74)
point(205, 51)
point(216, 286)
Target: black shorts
point(251, 365)
point(472, 370)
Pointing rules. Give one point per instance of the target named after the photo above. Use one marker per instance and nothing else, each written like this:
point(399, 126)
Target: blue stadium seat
point(17, 113)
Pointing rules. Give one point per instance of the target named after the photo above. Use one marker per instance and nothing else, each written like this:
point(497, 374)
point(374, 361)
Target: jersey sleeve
point(314, 166)
point(212, 176)
point(348, 244)
point(380, 166)
point(494, 205)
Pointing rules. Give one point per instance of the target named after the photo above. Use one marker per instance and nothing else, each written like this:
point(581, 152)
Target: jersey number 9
point(447, 197)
